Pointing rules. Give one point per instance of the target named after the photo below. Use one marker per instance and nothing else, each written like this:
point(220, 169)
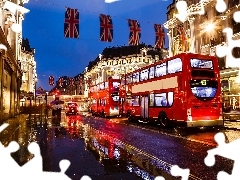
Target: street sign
point(39, 97)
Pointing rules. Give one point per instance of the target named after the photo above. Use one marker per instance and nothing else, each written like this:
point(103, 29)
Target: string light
point(92, 12)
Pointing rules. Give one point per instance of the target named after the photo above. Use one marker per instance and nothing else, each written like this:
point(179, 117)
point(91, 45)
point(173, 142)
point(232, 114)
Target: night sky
point(58, 56)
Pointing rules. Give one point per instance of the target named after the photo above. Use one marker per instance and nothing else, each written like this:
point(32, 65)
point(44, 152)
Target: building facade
point(11, 16)
point(115, 61)
point(202, 33)
point(28, 66)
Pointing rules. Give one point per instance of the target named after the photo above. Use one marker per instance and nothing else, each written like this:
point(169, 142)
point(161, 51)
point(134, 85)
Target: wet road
point(106, 149)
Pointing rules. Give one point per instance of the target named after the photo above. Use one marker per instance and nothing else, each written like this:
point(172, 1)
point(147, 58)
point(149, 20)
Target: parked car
point(71, 108)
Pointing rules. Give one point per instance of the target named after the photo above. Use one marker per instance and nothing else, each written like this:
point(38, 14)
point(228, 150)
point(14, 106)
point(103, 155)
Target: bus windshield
point(198, 63)
point(204, 89)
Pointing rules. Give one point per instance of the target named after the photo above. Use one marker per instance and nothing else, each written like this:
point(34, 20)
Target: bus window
point(161, 99)
point(198, 63)
point(123, 81)
point(204, 88)
point(129, 79)
point(101, 86)
point(116, 86)
point(135, 101)
point(160, 70)
point(151, 72)
point(94, 102)
point(174, 66)
point(170, 98)
point(151, 99)
point(203, 73)
point(106, 84)
point(136, 77)
point(115, 98)
point(144, 75)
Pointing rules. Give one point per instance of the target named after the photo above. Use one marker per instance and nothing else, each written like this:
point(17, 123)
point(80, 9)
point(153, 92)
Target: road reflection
point(116, 156)
point(71, 139)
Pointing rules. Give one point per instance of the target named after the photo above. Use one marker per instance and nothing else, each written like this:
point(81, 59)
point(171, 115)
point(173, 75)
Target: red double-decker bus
point(184, 89)
point(105, 98)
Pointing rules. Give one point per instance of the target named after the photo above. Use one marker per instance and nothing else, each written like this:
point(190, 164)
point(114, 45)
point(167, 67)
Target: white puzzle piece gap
point(236, 16)
point(177, 171)
point(33, 169)
point(221, 6)
point(229, 151)
point(159, 178)
point(183, 10)
point(3, 126)
point(226, 50)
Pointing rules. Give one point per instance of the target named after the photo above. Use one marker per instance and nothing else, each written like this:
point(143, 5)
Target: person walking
point(54, 109)
point(59, 109)
point(46, 111)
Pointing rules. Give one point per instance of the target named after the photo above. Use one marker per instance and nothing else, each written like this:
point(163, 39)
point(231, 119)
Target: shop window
point(160, 70)
point(205, 39)
point(235, 26)
point(232, 3)
point(221, 62)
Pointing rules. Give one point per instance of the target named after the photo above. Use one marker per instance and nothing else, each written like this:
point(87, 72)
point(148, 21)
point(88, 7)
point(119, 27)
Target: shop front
point(230, 82)
point(10, 82)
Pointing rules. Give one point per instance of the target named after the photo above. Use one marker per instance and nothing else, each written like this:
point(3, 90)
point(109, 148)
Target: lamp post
point(35, 91)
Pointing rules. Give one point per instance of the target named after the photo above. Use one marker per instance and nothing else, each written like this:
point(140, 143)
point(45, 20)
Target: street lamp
point(209, 27)
point(35, 90)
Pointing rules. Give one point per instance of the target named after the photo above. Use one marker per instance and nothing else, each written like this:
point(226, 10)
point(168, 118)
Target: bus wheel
point(162, 118)
point(130, 118)
point(128, 114)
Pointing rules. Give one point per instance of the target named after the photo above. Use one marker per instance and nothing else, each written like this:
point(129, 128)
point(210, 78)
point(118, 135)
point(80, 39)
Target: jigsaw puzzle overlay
point(32, 169)
point(230, 150)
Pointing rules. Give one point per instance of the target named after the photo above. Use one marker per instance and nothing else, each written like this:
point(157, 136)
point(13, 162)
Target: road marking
point(145, 154)
point(181, 137)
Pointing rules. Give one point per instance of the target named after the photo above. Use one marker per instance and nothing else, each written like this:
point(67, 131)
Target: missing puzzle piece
point(227, 150)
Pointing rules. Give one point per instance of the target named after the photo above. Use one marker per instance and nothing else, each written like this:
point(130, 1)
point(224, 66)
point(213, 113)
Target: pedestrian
point(54, 109)
point(46, 111)
point(59, 109)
